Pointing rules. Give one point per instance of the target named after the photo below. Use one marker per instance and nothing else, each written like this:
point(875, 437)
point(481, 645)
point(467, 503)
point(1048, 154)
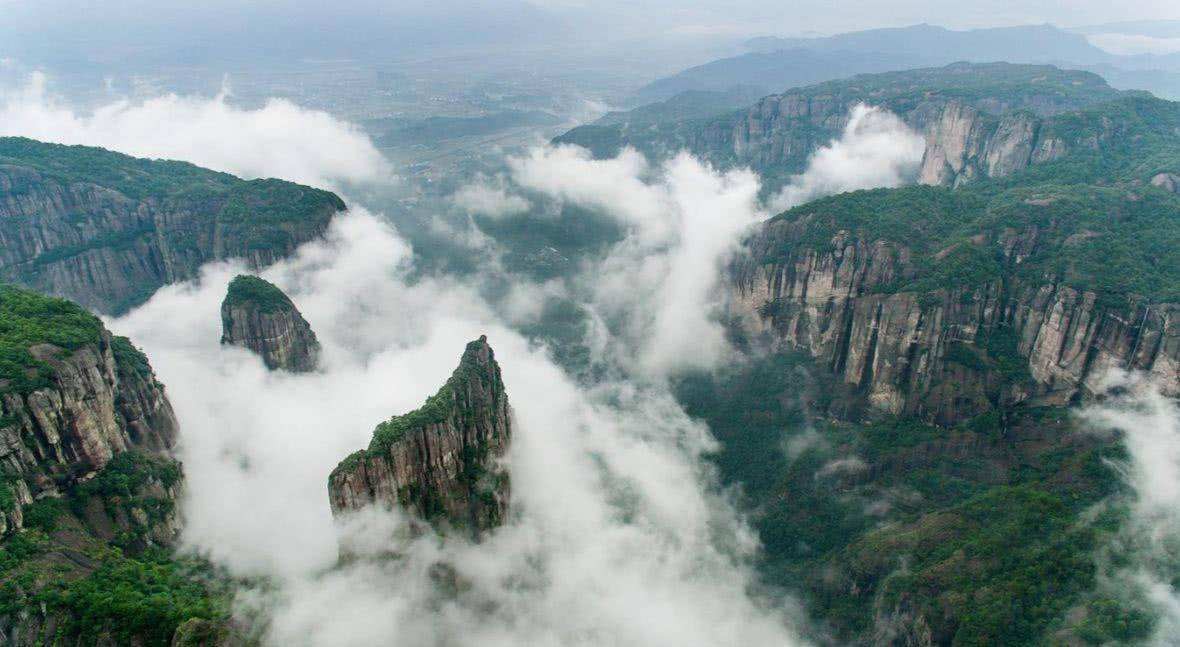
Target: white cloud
point(616, 186)
point(1149, 426)
point(1131, 44)
point(658, 288)
point(280, 139)
point(484, 198)
point(615, 539)
point(876, 149)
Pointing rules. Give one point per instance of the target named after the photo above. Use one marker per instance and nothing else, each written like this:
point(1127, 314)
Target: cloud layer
point(657, 290)
point(615, 539)
point(279, 139)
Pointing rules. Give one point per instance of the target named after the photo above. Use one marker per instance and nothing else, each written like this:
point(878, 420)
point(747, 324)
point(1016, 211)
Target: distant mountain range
point(776, 64)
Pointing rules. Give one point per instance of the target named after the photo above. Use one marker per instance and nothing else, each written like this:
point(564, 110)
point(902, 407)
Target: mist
point(618, 535)
point(876, 149)
point(280, 139)
point(1148, 423)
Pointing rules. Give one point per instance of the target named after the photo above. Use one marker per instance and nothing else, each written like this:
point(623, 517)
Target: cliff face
point(101, 401)
point(72, 398)
point(106, 230)
point(952, 353)
point(441, 462)
point(259, 316)
point(964, 142)
point(979, 120)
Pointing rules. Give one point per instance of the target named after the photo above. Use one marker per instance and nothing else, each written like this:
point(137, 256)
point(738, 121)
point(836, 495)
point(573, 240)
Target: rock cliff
point(969, 135)
point(999, 325)
point(979, 120)
point(71, 399)
point(441, 462)
point(257, 315)
point(106, 230)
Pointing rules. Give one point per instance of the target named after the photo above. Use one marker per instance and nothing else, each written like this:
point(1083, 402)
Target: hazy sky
point(135, 35)
point(738, 15)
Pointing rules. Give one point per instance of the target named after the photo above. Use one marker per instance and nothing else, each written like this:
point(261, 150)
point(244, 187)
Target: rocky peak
point(259, 316)
point(441, 462)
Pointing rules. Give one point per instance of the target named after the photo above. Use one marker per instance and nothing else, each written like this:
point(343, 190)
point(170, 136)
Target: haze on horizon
point(72, 33)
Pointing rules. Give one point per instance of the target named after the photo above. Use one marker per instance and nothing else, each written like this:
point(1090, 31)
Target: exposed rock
point(1168, 181)
point(936, 355)
point(80, 409)
point(257, 315)
point(106, 230)
point(993, 126)
point(442, 462)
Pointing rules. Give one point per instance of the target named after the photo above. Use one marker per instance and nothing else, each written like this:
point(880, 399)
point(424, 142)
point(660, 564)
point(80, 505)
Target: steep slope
point(89, 491)
point(106, 230)
point(980, 120)
point(946, 304)
point(259, 316)
point(442, 461)
point(73, 397)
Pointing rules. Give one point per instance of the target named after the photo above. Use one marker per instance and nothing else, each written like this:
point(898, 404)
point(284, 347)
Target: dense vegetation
point(134, 177)
point(1114, 240)
point(256, 293)
point(210, 215)
point(124, 590)
point(28, 319)
point(980, 529)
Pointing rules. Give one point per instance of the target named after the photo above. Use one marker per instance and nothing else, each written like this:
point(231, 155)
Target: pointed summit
point(440, 462)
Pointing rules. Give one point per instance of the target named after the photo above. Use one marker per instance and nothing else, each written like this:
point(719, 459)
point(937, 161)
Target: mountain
point(257, 315)
point(979, 120)
point(89, 489)
point(772, 71)
point(902, 427)
point(946, 305)
point(106, 230)
point(441, 462)
point(780, 63)
point(1021, 44)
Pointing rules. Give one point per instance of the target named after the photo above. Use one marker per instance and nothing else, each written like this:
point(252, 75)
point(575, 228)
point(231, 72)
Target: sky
point(124, 31)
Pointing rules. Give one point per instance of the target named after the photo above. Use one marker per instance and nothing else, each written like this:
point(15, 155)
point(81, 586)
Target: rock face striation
point(71, 400)
point(441, 462)
point(979, 120)
point(106, 230)
point(953, 352)
point(257, 315)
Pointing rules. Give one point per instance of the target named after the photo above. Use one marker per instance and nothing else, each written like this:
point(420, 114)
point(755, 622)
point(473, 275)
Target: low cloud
point(616, 537)
point(876, 149)
point(1148, 423)
point(486, 198)
point(280, 139)
point(658, 288)
point(1132, 44)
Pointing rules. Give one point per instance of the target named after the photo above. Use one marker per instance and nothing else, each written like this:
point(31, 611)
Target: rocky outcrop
point(1167, 181)
point(443, 462)
point(106, 230)
point(258, 316)
point(76, 409)
point(979, 120)
point(952, 353)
